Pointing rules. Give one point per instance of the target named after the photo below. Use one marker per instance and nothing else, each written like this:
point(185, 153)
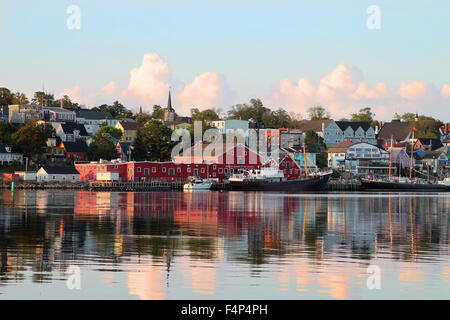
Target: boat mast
point(411, 160)
point(304, 158)
point(390, 161)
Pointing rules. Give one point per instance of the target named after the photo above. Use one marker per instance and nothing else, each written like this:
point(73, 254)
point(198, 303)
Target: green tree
point(6, 132)
point(41, 98)
point(143, 118)
point(255, 110)
point(66, 102)
point(20, 98)
point(101, 147)
point(114, 132)
point(314, 142)
point(278, 119)
point(408, 116)
point(158, 112)
point(318, 113)
point(32, 137)
point(427, 127)
point(208, 114)
point(5, 96)
point(153, 141)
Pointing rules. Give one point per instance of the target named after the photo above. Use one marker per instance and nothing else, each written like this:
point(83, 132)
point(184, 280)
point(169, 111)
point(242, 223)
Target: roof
point(55, 109)
point(315, 125)
point(398, 130)
point(435, 143)
point(69, 127)
point(93, 115)
point(3, 148)
point(341, 147)
point(125, 146)
point(222, 148)
point(75, 147)
point(343, 125)
point(126, 125)
point(432, 154)
point(59, 170)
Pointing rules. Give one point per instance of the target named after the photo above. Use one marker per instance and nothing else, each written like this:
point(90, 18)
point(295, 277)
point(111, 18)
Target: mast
point(390, 161)
point(411, 160)
point(304, 158)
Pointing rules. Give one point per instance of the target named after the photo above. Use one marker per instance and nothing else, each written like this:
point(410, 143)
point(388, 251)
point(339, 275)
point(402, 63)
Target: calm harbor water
point(223, 245)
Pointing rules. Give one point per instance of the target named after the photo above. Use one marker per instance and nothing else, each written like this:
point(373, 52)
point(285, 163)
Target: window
point(171, 171)
point(99, 168)
point(178, 170)
point(146, 171)
point(288, 164)
point(189, 169)
point(139, 169)
point(214, 167)
point(153, 169)
point(195, 172)
point(164, 169)
point(84, 169)
point(203, 170)
point(54, 177)
point(226, 170)
point(220, 170)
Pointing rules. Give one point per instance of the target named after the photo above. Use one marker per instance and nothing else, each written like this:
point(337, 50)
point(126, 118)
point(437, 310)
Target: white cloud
point(344, 92)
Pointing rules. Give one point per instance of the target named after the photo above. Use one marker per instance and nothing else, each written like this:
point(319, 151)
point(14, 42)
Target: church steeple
point(169, 113)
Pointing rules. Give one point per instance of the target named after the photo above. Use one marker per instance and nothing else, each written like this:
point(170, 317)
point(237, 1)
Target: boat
point(403, 184)
point(445, 182)
point(195, 183)
point(270, 179)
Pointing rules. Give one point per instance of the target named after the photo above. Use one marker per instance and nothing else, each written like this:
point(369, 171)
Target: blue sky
point(252, 44)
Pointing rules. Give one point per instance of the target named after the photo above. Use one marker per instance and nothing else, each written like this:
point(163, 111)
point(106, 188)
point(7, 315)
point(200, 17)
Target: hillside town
point(57, 140)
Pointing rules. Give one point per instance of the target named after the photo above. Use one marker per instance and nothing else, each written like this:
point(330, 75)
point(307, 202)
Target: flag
point(415, 129)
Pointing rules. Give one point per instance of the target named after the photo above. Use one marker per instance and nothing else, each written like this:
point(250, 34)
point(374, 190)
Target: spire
point(140, 109)
point(169, 103)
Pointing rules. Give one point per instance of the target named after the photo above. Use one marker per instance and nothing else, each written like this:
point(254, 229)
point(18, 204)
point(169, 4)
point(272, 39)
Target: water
point(223, 245)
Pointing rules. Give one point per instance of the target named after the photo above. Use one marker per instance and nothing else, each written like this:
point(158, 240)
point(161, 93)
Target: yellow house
point(128, 129)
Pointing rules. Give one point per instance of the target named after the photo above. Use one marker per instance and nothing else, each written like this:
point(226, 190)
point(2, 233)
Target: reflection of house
point(76, 151)
point(7, 156)
point(48, 174)
point(72, 131)
point(129, 130)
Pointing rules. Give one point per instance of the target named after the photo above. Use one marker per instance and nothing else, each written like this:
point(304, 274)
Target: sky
point(291, 54)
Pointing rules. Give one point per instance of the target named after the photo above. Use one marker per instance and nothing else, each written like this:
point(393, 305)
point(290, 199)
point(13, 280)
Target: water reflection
point(223, 245)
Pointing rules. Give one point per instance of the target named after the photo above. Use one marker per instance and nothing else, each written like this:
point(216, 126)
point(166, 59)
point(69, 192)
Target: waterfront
point(223, 245)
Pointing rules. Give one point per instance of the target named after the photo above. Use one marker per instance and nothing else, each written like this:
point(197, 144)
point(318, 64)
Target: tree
point(318, 113)
point(255, 110)
point(153, 141)
point(427, 127)
point(158, 112)
point(101, 147)
point(6, 132)
point(42, 99)
point(278, 119)
point(31, 138)
point(208, 114)
point(117, 110)
point(114, 132)
point(5, 96)
point(408, 116)
point(66, 102)
point(314, 142)
point(19, 98)
point(365, 115)
point(143, 118)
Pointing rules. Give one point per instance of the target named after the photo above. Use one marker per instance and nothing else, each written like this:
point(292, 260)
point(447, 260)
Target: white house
point(7, 156)
point(364, 158)
point(48, 174)
point(26, 175)
point(72, 131)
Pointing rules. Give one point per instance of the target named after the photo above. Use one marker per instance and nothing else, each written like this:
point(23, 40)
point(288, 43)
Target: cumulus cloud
point(207, 90)
point(149, 84)
point(343, 91)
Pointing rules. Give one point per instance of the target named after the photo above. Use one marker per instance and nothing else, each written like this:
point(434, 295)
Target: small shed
point(50, 174)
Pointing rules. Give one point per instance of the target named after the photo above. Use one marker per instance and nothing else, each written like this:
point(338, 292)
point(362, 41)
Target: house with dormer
point(338, 131)
point(71, 132)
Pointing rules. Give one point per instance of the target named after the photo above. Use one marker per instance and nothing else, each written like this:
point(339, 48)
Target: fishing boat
point(269, 179)
point(195, 183)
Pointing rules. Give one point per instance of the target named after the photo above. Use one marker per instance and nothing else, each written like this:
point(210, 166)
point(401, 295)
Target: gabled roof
point(3, 148)
point(432, 154)
point(315, 125)
point(343, 125)
point(75, 147)
point(398, 130)
point(125, 146)
point(126, 125)
point(58, 170)
point(69, 127)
